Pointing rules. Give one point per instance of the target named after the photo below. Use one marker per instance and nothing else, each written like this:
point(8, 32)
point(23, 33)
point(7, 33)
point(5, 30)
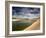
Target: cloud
point(25, 12)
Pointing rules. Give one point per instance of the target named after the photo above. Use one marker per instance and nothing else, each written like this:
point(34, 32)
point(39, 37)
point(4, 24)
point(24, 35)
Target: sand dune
point(27, 24)
point(34, 26)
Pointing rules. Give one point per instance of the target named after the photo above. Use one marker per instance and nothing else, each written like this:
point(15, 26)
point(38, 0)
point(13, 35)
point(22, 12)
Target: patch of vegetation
point(19, 25)
point(13, 18)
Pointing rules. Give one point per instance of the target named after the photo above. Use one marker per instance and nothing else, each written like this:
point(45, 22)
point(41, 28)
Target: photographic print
point(24, 18)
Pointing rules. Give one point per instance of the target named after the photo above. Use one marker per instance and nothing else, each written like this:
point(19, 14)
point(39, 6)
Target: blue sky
point(25, 12)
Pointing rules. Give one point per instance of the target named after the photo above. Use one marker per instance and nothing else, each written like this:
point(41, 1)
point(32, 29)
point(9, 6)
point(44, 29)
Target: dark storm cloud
point(25, 10)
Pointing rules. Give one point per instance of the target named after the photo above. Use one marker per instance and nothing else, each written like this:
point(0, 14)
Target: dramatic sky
point(25, 12)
